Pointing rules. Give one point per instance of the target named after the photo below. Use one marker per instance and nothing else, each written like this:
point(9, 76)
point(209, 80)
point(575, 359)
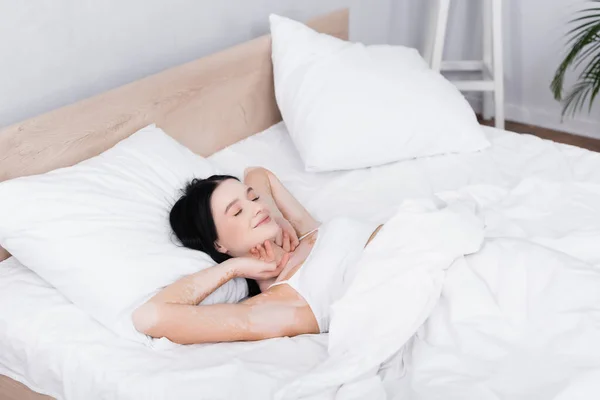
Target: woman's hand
point(265, 252)
point(261, 265)
point(287, 238)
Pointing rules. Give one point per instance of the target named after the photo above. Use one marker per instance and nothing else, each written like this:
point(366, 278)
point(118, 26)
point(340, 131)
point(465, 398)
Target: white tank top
point(331, 265)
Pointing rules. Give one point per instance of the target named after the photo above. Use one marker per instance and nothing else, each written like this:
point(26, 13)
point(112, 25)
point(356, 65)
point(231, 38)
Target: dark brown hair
point(193, 223)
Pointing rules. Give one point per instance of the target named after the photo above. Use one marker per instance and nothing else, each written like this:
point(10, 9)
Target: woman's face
point(241, 218)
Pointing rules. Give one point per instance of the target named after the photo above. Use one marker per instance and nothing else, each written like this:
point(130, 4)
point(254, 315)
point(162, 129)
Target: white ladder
point(491, 66)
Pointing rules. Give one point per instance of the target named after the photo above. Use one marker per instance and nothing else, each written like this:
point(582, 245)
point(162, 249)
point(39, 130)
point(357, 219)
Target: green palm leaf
point(584, 40)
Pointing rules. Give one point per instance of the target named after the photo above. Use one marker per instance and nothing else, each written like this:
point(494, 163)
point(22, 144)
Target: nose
point(259, 208)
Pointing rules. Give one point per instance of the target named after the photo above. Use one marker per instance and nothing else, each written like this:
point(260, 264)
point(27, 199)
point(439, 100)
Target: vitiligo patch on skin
point(195, 287)
point(278, 295)
point(271, 319)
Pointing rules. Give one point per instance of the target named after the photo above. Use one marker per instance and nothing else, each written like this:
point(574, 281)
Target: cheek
point(272, 229)
point(230, 232)
point(238, 237)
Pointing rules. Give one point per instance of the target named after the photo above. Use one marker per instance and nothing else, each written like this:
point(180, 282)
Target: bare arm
point(174, 312)
point(279, 199)
point(185, 324)
point(156, 317)
point(193, 289)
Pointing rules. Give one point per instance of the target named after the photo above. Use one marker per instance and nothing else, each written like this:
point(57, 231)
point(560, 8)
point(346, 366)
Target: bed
point(53, 348)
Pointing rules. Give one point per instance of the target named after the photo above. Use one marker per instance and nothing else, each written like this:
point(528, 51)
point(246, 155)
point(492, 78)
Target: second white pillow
point(347, 105)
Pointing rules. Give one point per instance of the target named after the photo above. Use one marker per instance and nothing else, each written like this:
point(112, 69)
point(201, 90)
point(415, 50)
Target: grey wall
point(56, 52)
point(534, 43)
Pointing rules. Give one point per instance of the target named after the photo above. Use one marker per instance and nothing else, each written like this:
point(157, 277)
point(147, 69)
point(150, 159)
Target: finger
point(269, 275)
point(286, 242)
point(263, 253)
point(270, 267)
point(269, 250)
point(279, 238)
point(270, 271)
point(295, 241)
point(284, 260)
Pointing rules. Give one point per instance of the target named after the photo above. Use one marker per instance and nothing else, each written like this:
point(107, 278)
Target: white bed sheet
point(53, 347)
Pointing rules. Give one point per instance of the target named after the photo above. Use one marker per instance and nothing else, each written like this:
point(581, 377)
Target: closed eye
point(239, 212)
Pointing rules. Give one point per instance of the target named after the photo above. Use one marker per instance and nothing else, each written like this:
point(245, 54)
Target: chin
point(269, 231)
point(273, 229)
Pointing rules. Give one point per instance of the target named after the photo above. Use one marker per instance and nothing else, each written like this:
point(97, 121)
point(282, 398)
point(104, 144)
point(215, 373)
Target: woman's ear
point(220, 248)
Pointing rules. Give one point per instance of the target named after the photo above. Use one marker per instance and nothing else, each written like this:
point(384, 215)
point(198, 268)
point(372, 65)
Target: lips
point(263, 221)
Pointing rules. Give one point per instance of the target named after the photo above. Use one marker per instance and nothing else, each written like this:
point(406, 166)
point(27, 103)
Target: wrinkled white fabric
point(398, 282)
point(518, 319)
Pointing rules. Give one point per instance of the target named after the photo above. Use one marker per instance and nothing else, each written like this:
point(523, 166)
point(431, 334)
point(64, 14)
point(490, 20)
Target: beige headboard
point(206, 104)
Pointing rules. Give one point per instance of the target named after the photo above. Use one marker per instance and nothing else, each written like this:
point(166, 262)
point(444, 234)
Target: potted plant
point(584, 52)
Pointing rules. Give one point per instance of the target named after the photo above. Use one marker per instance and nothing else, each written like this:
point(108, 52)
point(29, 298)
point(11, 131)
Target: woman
point(295, 266)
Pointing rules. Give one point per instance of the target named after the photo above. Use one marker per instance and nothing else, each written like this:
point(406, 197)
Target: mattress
point(54, 348)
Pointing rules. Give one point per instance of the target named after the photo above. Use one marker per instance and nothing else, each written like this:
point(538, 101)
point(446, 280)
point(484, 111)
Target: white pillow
point(99, 231)
point(347, 105)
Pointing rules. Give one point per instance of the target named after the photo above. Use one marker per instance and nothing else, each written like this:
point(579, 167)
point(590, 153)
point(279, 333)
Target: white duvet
point(511, 311)
point(518, 319)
